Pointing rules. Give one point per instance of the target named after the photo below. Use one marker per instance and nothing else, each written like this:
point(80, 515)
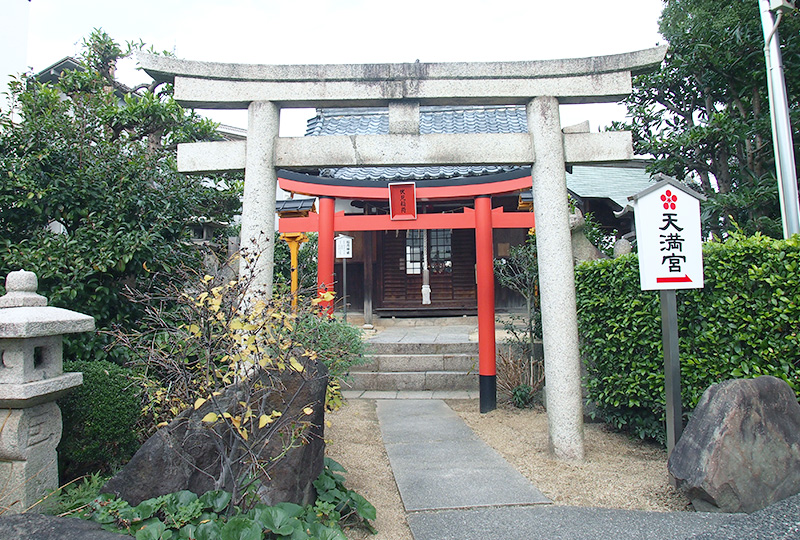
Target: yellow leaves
point(308, 411)
point(265, 362)
point(162, 424)
point(264, 419)
point(207, 278)
point(194, 330)
point(198, 403)
point(210, 418)
point(327, 296)
point(236, 324)
point(297, 366)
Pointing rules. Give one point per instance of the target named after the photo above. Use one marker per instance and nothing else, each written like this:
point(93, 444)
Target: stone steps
point(416, 367)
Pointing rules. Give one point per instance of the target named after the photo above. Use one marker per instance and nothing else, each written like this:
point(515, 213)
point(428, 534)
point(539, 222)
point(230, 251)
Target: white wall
point(13, 41)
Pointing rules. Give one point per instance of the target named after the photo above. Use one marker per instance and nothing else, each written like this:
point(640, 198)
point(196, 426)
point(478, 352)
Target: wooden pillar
point(484, 256)
point(325, 249)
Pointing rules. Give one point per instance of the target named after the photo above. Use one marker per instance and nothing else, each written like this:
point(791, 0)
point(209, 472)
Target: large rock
point(41, 527)
point(186, 454)
point(740, 451)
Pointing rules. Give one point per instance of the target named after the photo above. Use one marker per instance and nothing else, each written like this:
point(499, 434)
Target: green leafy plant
point(99, 419)
point(83, 156)
point(338, 344)
point(601, 238)
point(518, 362)
point(703, 114)
point(743, 323)
point(522, 396)
point(213, 516)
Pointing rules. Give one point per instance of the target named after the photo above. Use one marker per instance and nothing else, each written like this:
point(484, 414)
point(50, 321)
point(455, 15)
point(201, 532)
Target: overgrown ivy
point(744, 323)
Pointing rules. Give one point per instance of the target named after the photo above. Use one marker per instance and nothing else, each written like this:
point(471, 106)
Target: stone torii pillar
point(257, 241)
point(562, 367)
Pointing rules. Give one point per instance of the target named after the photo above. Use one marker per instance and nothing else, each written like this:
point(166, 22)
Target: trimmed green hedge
point(743, 324)
point(100, 419)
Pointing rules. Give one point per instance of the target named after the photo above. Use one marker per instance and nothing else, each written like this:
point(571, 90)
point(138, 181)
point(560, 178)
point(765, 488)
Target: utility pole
point(779, 113)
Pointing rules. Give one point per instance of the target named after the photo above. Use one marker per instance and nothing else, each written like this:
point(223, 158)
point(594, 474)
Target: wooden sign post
point(669, 241)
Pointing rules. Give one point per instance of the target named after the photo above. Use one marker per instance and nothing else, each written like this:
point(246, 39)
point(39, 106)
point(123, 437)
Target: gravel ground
point(618, 472)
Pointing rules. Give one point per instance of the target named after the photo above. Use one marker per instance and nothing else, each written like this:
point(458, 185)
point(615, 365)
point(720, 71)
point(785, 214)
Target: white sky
point(352, 31)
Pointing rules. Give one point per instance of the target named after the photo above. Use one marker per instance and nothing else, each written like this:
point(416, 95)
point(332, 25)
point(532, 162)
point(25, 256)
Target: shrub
point(743, 323)
point(99, 419)
point(338, 344)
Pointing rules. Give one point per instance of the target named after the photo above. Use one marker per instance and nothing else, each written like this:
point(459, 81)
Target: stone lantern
point(31, 379)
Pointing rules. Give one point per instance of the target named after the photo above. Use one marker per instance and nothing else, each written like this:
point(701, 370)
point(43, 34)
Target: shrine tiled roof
point(615, 182)
point(433, 119)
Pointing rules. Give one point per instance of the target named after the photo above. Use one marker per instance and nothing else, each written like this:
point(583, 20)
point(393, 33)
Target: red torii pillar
point(325, 246)
point(484, 259)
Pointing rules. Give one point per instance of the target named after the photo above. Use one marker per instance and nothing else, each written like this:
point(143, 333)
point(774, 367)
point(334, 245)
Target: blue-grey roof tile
point(615, 183)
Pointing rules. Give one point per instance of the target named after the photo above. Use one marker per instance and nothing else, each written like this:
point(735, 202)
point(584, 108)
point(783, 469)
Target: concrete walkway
point(454, 486)
point(439, 463)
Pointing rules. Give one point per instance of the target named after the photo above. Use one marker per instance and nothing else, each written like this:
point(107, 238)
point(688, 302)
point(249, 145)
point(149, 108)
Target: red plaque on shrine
point(403, 201)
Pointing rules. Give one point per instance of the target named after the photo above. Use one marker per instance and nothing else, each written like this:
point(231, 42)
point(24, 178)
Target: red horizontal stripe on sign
point(684, 279)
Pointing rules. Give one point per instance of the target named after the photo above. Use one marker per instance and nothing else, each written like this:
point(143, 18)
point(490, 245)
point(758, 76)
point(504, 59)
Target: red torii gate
point(483, 219)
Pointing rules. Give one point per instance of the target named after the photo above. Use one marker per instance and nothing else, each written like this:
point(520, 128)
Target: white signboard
point(344, 247)
point(669, 237)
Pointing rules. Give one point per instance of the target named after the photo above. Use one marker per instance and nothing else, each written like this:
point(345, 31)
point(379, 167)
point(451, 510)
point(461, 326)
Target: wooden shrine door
point(451, 263)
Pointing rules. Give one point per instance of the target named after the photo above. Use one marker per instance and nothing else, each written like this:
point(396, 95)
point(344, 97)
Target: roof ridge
point(368, 111)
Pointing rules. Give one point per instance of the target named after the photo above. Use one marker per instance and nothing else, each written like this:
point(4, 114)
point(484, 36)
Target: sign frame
point(669, 236)
point(403, 201)
point(344, 246)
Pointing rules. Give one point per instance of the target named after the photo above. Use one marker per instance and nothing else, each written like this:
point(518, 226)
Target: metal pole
point(672, 367)
point(344, 289)
point(781, 126)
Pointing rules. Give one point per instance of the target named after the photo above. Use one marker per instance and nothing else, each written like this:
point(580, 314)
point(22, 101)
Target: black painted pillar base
point(488, 392)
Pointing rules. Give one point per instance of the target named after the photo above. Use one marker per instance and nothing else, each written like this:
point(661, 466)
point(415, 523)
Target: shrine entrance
point(542, 86)
point(428, 261)
point(449, 255)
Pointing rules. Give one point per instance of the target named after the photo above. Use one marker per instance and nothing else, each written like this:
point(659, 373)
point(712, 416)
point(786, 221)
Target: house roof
point(606, 182)
point(51, 74)
point(616, 182)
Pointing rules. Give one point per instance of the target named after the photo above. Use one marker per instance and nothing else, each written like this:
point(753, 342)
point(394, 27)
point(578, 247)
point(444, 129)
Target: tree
point(704, 115)
point(100, 164)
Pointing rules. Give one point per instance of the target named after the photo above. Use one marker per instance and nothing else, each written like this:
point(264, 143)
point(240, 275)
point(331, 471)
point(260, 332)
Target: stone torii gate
point(541, 85)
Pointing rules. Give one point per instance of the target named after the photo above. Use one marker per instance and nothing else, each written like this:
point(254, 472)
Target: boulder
point(41, 527)
point(187, 454)
point(740, 451)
